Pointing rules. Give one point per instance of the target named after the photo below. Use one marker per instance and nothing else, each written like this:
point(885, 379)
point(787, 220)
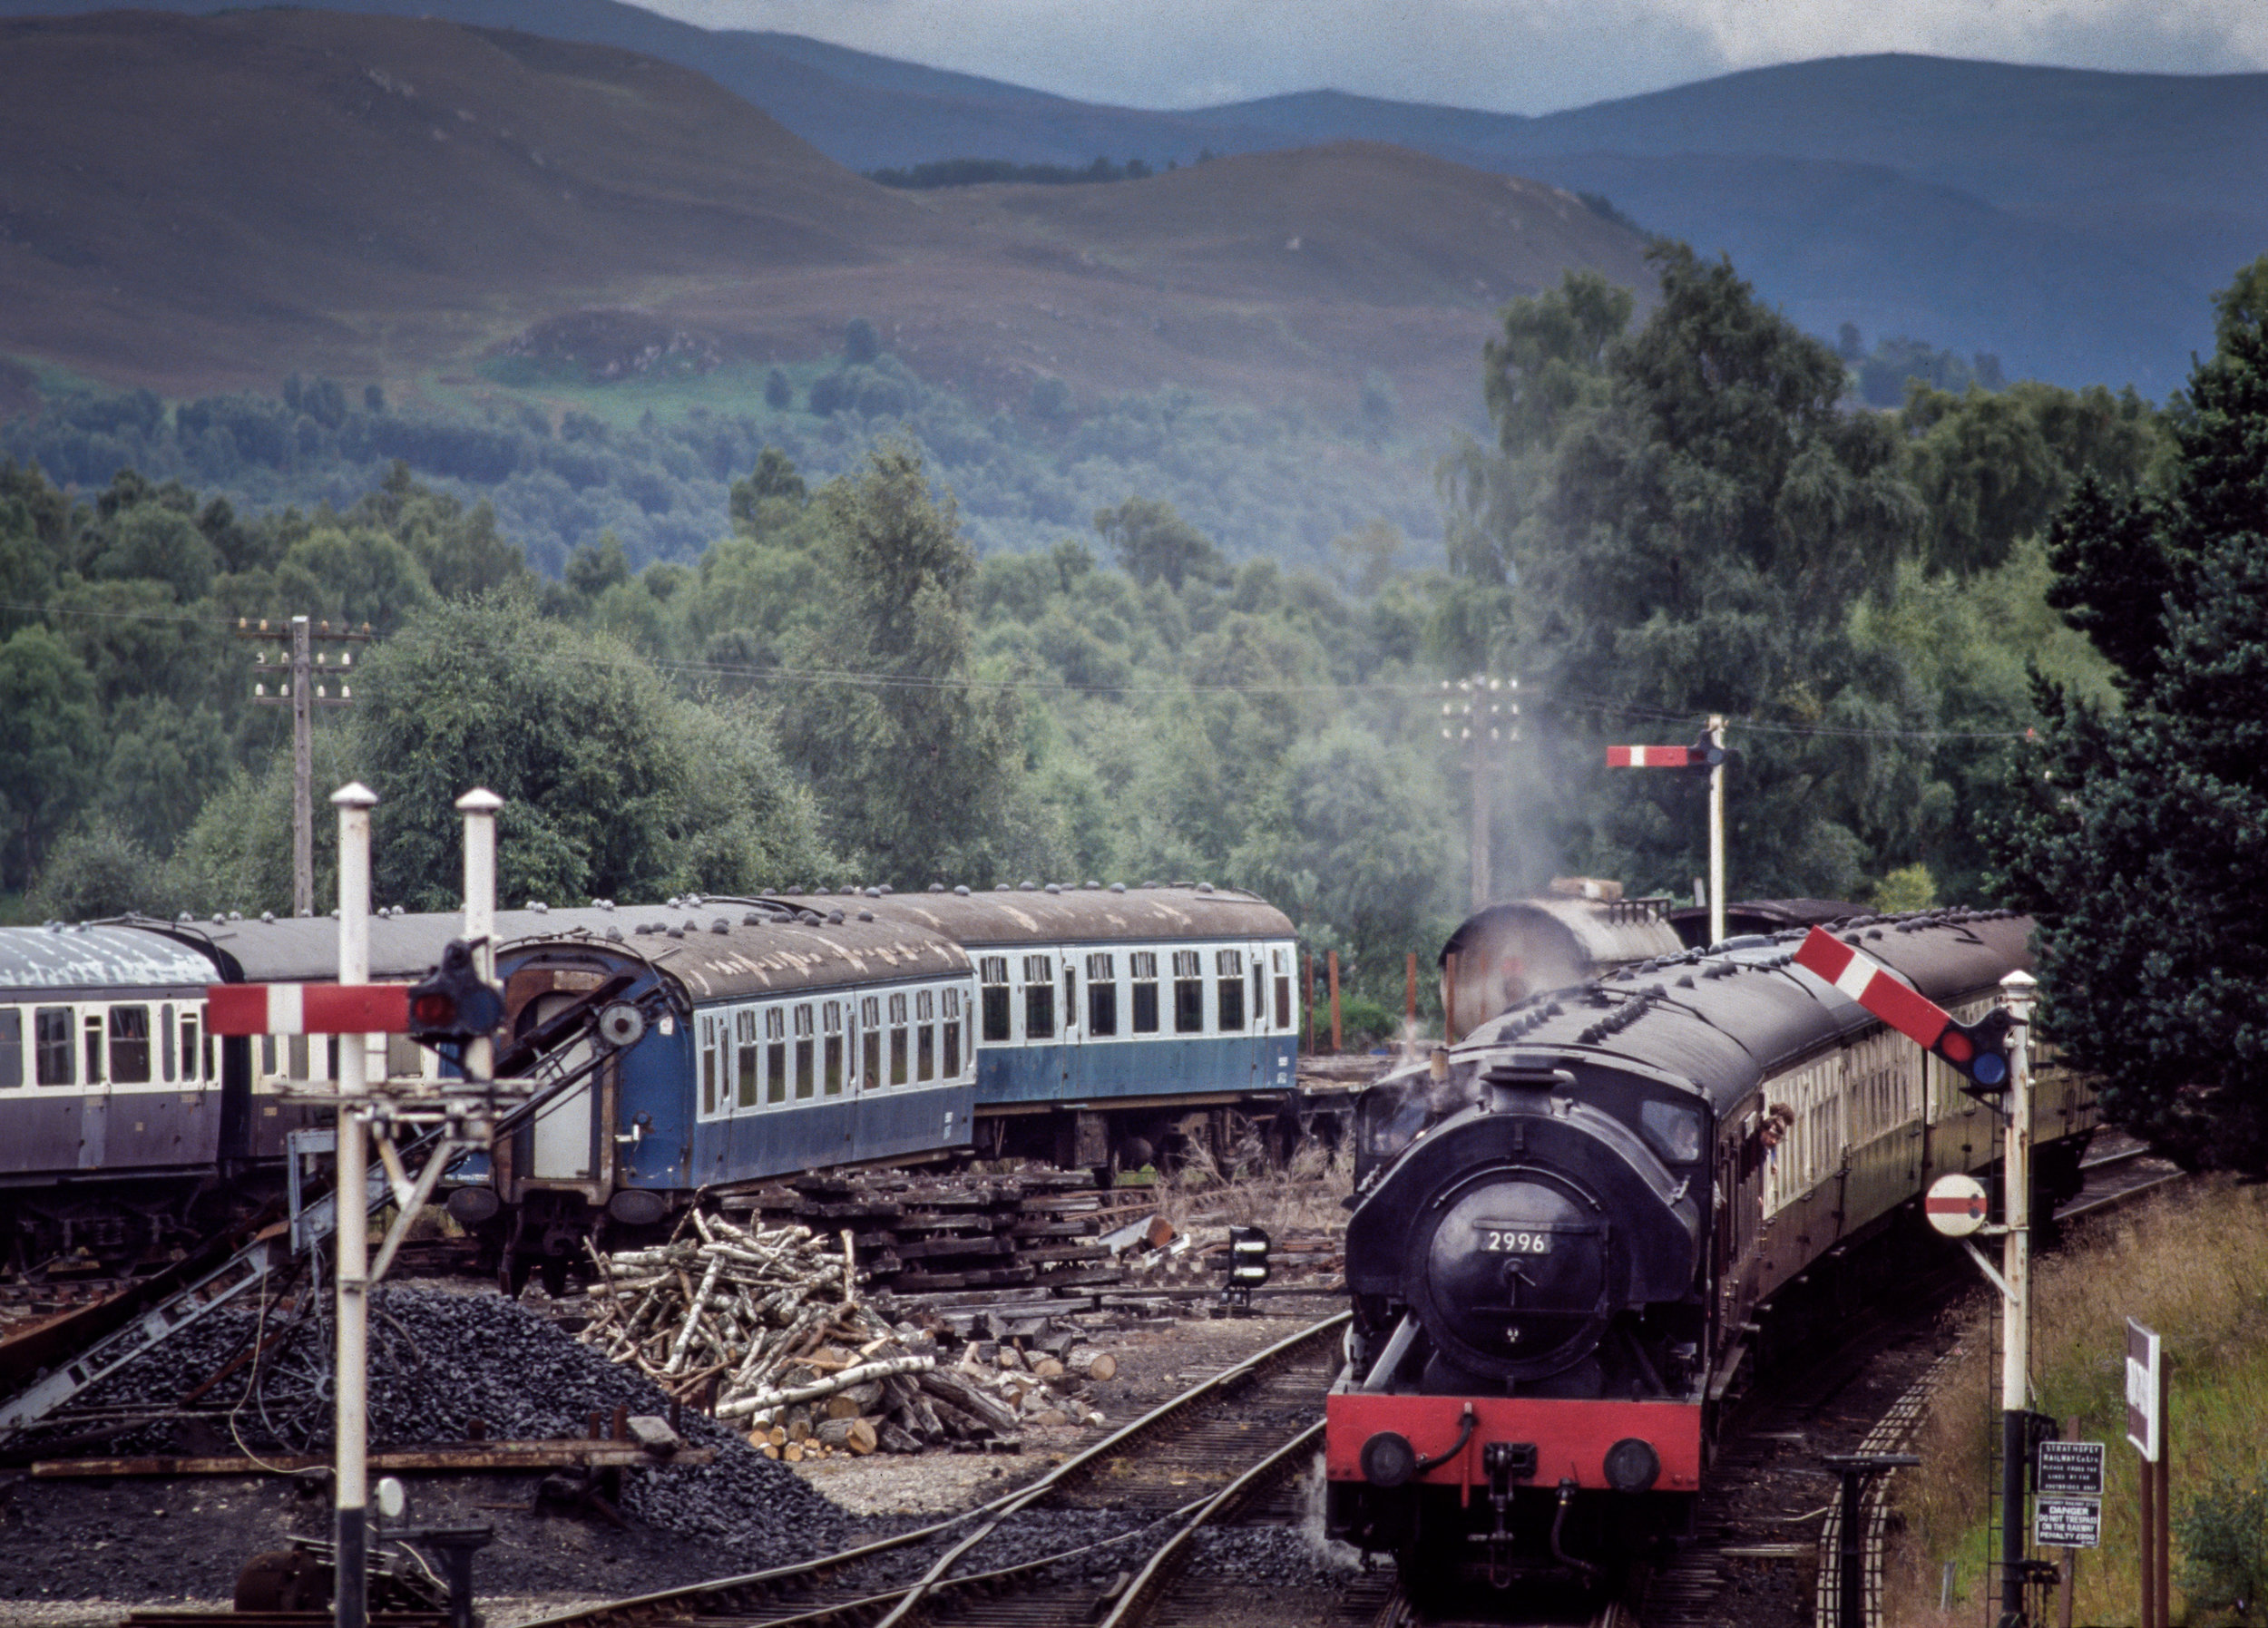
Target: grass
point(1300, 1196)
point(2193, 1264)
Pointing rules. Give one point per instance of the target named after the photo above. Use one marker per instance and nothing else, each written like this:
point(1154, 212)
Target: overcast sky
point(1526, 56)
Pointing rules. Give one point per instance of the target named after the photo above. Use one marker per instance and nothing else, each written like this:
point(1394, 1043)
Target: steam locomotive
point(1572, 1233)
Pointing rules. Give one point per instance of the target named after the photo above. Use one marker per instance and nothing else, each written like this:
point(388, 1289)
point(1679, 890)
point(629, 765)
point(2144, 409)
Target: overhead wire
point(872, 680)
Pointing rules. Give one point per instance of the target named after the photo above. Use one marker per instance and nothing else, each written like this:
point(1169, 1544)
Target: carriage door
point(565, 1136)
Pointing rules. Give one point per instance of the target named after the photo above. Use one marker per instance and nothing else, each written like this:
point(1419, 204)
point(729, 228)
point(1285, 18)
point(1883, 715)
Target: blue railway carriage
point(768, 1041)
point(106, 1081)
point(1116, 1026)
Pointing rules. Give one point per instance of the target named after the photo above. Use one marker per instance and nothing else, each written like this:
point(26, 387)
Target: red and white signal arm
point(1956, 1205)
point(309, 1008)
point(1649, 757)
point(1973, 1048)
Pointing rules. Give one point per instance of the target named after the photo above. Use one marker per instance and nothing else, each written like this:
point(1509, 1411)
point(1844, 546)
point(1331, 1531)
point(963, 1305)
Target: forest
point(1686, 515)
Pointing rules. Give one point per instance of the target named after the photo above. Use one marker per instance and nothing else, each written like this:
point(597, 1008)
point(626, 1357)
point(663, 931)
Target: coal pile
point(441, 1363)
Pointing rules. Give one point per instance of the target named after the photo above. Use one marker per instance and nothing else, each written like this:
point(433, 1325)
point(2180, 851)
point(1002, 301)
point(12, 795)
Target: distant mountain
point(2074, 223)
point(191, 202)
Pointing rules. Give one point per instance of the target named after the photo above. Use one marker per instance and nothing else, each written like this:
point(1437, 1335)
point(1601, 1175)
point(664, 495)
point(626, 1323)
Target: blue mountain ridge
point(2073, 222)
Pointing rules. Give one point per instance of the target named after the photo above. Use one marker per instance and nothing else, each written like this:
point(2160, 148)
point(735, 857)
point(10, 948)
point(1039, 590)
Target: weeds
point(2191, 1264)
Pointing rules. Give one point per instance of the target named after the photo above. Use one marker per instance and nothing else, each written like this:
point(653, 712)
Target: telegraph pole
point(1489, 715)
point(305, 687)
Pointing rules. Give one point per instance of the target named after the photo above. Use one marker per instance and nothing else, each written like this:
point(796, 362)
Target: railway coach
point(1117, 1024)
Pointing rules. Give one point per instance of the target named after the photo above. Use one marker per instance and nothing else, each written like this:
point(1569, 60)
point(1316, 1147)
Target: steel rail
point(645, 1607)
point(1169, 1555)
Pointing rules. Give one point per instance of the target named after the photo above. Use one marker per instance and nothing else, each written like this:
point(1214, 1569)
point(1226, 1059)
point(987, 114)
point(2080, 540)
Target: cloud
point(1510, 55)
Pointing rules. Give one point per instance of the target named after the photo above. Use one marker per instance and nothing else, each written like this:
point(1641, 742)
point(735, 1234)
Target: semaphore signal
point(1979, 1050)
point(1707, 753)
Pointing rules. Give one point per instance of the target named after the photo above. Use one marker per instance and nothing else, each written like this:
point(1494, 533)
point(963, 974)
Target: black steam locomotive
point(1570, 1233)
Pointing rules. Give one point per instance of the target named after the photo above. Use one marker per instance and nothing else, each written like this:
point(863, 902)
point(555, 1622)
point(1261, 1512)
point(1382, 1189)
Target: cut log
point(1091, 1363)
point(961, 1394)
point(1047, 1367)
point(856, 1434)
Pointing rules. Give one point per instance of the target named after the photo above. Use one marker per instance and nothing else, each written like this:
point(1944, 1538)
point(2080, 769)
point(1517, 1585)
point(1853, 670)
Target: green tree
point(1152, 544)
point(917, 767)
point(2140, 838)
point(50, 741)
point(568, 727)
point(1690, 516)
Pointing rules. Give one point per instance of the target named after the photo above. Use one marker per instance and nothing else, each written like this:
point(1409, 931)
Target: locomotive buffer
point(1992, 1056)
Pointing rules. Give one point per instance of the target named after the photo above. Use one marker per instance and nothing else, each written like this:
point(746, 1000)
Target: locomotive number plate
point(1504, 1241)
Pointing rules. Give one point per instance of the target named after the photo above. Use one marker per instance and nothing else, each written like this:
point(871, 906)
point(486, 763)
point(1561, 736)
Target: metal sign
point(1955, 1205)
point(2067, 1524)
point(2145, 1390)
point(2070, 1469)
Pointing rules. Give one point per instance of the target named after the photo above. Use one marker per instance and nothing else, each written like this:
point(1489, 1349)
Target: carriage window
point(51, 1046)
point(1281, 959)
point(404, 1058)
point(744, 1033)
point(165, 1039)
point(1102, 995)
point(1229, 964)
point(1260, 997)
point(94, 1051)
point(267, 1057)
point(130, 1045)
point(1038, 998)
point(11, 1048)
point(831, 1020)
point(898, 1047)
point(1188, 992)
point(803, 1052)
point(993, 969)
point(870, 1040)
point(775, 1055)
point(1142, 966)
point(925, 1034)
point(953, 1034)
point(708, 1065)
point(191, 1056)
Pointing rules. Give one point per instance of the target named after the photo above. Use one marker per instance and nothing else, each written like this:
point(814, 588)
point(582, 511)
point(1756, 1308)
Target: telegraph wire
point(1636, 711)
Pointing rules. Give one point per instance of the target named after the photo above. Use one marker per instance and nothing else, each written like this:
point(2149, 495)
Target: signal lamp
point(453, 1003)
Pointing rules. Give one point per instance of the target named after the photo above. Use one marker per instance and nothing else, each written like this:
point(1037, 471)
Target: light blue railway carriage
point(1117, 1024)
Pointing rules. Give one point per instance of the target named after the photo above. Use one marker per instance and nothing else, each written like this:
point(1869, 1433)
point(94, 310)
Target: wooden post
point(2164, 1468)
point(2068, 1589)
point(1336, 1042)
point(1409, 998)
point(1449, 1001)
point(2147, 1544)
point(302, 767)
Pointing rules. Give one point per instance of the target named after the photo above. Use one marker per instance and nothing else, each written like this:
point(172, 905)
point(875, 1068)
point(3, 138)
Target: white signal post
point(1717, 832)
point(2016, 992)
point(479, 808)
point(350, 1571)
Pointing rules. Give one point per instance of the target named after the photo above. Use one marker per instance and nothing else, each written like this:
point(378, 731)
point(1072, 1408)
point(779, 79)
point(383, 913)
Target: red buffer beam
point(1979, 1050)
point(316, 1009)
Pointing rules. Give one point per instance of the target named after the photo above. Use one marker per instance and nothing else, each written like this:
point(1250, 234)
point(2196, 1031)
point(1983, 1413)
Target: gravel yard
point(75, 1551)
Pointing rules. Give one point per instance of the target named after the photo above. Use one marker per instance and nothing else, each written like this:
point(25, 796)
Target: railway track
point(1137, 1502)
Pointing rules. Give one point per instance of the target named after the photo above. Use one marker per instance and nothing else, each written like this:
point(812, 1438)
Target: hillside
point(194, 202)
point(189, 198)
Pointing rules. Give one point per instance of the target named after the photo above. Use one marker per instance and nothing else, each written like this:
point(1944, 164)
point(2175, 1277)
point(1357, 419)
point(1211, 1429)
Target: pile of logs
point(765, 1327)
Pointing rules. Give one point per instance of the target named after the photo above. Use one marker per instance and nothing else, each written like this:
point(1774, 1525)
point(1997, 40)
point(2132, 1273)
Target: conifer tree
point(2141, 837)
